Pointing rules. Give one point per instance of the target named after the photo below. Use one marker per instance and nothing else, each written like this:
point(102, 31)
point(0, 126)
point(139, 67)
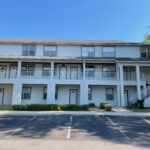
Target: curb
point(82, 113)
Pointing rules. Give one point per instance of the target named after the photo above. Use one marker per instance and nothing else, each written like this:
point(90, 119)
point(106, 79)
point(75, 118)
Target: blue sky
point(75, 19)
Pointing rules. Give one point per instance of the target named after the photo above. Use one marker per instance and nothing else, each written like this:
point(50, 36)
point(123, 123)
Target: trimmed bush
point(50, 107)
point(102, 105)
point(108, 107)
point(140, 103)
point(19, 107)
point(91, 105)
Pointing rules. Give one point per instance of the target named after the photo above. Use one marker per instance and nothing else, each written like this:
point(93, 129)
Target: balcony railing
point(105, 75)
point(35, 74)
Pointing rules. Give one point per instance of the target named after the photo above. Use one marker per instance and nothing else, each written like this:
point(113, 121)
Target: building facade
point(34, 71)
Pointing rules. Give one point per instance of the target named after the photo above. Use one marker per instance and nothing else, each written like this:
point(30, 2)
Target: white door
point(74, 73)
point(1, 96)
point(63, 73)
point(73, 96)
point(2, 72)
point(126, 97)
point(13, 72)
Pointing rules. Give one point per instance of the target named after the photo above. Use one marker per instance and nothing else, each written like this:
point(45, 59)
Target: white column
point(138, 81)
point(84, 67)
point(51, 93)
point(52, 70)
point(83, 93)
point(17, 92)
point(121, 86)
point(18, 69)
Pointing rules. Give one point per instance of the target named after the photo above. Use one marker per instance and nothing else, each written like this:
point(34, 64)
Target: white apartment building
point(34, 71)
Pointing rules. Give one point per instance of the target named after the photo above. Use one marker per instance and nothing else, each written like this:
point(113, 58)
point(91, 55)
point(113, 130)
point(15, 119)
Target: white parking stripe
point(32, 118)
point(118, 127)
point(19, 129)
point(147, 121)
point(69, 128)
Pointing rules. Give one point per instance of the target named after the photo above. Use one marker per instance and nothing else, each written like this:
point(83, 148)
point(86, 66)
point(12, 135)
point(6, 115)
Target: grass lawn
point(139, 110)
point(6, 108)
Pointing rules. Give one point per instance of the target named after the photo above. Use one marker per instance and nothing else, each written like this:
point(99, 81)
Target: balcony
point(106, 75)
point(35, 74)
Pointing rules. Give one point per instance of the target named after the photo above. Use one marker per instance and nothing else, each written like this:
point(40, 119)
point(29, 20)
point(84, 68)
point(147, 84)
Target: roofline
point(70, 42)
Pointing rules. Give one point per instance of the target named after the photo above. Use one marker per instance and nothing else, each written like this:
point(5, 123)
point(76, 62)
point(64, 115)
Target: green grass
point(6, 108)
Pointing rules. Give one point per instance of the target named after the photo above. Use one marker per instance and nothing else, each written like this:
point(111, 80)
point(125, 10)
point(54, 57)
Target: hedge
point(106, 106)
point(50, 107)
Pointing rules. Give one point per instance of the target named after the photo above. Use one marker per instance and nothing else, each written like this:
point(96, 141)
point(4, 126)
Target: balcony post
point(52, 70)
point(84, 67)
point(138, 81)
point(19, 69)
point(121, 85)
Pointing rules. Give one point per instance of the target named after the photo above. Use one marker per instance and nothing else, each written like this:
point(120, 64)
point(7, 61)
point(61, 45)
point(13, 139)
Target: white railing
point(129, 76)
point(35, 74)
point(107, 75)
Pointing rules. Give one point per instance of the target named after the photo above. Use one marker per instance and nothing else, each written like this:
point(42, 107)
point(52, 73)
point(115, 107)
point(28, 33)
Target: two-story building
point(73, 72)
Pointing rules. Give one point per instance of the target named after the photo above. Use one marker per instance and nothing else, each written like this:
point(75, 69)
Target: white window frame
point(146, 51)
point(106, 91)
point(89, 93)
point(86, 50)
point(28, 50)
point(44, 93)
point(108, 51)
point(23, 93)
point(50, 51)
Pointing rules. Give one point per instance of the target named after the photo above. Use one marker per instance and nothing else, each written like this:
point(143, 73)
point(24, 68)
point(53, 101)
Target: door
point(1, 96)
point(74, 73)
point(73, 96)
point(63, 72)
point(126, 97)
point(2, 72)
point(13, 71)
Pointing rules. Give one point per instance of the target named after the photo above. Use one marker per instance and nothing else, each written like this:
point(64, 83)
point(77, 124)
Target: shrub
point(91, 105)
point(19, 107)
point(140, 103)
point(73, 107)
point(108, 107)
point(102, 105)
point(38, 107)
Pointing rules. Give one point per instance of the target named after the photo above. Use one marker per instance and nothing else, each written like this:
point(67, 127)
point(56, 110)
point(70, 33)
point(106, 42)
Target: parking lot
point(66, 129)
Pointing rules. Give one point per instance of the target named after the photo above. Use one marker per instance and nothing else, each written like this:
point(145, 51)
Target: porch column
point(50, 93)
point(16, 94)
point(121, 86)
point(84, 67)
point(19, 69)
point(138, 81)
point(118, 85)
point(83, 93)
point(52, 70)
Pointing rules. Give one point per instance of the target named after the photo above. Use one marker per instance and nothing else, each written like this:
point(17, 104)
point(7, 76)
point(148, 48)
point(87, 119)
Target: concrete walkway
point(81, 113)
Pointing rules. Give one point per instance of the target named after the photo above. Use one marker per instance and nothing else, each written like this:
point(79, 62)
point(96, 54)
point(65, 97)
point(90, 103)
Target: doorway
point(74, 73)
point(73, 96)
point(126, 97)
point(1, 96)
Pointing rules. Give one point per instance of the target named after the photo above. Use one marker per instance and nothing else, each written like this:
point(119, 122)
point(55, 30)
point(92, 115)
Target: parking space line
point(32, 118)
point(69, 128)
point(147, 121)
point(120, 130)
point(19, 129)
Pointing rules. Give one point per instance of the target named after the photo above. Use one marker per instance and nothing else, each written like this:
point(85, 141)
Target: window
point(46, 69)
point(26, 93)
point(27, 69)
point(89, 93)
point(87, 51)
point(56, 93)
point(49, 51)
point(45, 93)
point(145, 52)
point(108, 52)
point(90, 70)
point(109, 94)
point(108, 71)
point(28, 50)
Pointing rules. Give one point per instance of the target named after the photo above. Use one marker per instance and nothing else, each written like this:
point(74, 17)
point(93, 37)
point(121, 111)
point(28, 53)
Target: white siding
point(131, 52)
point(10, 50)
point(69, 51)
